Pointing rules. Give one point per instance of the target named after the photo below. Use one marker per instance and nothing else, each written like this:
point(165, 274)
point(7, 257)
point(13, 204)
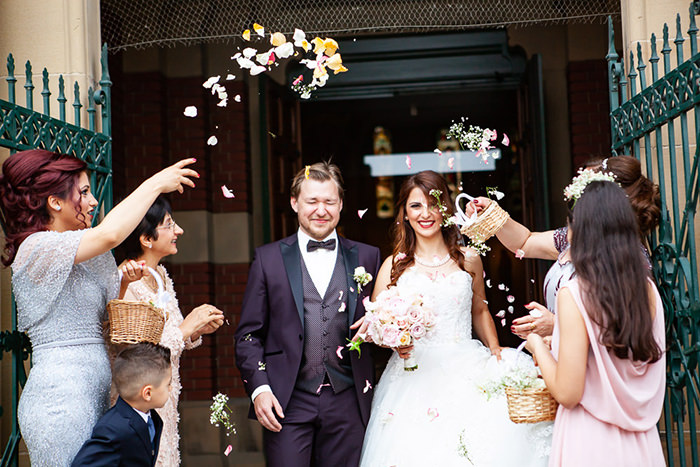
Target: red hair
point(28, 179)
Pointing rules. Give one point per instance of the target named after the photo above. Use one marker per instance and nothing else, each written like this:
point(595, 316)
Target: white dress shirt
point(320, 264)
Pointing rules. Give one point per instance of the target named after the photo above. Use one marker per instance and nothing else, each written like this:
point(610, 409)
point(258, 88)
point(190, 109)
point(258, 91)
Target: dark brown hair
point(321, 172)
point(28, 179)
point(643, 194)
point(404, 238)
point(613, 271)
point(138, 365)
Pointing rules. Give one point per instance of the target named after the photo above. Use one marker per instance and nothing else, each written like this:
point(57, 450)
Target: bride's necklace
point(436, 262)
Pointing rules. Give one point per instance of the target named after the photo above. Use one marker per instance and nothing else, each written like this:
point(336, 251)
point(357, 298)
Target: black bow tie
point(313, 245)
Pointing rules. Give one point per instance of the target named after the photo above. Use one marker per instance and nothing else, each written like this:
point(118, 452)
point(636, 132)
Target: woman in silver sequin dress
point(154, 239)
point(63, 276)
point(554, 244)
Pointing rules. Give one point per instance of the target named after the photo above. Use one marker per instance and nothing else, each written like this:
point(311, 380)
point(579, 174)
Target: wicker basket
point(530, 405)
point(488, 223)
point(131, 322)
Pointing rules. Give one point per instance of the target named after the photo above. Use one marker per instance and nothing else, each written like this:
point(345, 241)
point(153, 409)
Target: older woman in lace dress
point(63, 276)
point(152, 240)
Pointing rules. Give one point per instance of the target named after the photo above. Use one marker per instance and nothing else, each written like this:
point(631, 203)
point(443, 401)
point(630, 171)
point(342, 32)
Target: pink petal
point(501, 287)
point(299, 79)
point(451, 162)
point(227, 193)
point(433, 413)
point(501, 314)
point(340, 296)
point(503, 322)
point(401, 255)
point(368, 386)
point(337, 352)
point(520, 254)
point(506, 141)
point(408, 161)
point(228, 450)
point(510, 298)
point(352, 290)
point(361, 212)
point(342, 307)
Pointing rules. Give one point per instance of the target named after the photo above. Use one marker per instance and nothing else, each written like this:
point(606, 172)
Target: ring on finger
point(532, 326)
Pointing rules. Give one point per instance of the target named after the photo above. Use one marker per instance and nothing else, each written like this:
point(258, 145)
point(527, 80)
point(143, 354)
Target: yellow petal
point(334, 62)
point(320, 71)
point(318, 43)
point(246, 34)
point(259, 29)
point(305, 44)
point(331, 46)
point(277, 39)
point(340, 70)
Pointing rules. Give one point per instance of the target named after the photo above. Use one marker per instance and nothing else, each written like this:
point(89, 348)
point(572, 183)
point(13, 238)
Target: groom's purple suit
point(271, 330)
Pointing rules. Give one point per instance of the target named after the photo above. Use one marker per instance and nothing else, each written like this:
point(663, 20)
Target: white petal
point(190, 111)
point(212, 141)
point(229, 77)
point(285, 50)
point(237, 98)
point(298, 36)
point(211, 81)
point(245, 63)
point(257, 69)
point(249, 52)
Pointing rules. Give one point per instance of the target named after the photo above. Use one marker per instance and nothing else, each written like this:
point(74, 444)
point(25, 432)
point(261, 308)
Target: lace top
point(450, 295)
point(168, 454)
point(56, 299)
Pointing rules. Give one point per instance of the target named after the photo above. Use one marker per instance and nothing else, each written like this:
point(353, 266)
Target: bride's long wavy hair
point(403, 236)
point(613, 272)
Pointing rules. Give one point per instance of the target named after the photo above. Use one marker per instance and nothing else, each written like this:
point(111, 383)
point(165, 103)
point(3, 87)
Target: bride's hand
point(496, 351)
point(405, 351)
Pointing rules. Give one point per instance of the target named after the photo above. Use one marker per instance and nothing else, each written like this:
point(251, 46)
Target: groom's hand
point(266, 405)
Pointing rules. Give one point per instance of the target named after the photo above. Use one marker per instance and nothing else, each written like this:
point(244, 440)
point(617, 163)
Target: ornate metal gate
point(652, 124)
point(25, 128)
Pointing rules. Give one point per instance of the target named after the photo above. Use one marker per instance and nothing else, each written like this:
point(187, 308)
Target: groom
point(310, 394)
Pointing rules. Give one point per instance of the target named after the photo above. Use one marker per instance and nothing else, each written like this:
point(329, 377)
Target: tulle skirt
point(439, 414)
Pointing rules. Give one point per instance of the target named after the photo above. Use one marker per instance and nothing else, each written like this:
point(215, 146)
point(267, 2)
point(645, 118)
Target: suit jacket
point(271, 329)
point(121, 438)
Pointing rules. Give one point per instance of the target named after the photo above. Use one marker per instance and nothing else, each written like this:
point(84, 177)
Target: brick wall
point(589, 110)
point(151, 132)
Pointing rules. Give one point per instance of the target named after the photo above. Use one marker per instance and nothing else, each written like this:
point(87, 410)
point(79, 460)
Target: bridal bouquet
point(397, 318)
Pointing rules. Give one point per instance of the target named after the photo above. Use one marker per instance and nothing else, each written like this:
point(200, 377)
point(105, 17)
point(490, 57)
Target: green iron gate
point(650, 121)
point(26, 128)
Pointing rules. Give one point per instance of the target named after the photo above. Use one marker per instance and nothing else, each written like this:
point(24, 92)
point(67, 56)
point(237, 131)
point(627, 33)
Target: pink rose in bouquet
point(398, 317)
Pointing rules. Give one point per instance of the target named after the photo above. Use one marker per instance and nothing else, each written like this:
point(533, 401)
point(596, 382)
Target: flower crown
point(581, 181)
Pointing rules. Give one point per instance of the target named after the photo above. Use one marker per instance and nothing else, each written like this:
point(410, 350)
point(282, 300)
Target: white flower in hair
point(581, 181)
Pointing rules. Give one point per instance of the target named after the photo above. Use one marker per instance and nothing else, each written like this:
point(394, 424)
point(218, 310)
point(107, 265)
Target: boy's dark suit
point(121, 438)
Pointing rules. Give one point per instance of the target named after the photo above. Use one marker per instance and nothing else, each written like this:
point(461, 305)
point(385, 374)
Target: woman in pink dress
point(152, 240)
point(607, 364)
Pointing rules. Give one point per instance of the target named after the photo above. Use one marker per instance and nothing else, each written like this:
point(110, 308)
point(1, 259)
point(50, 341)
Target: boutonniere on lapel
point(362, 277)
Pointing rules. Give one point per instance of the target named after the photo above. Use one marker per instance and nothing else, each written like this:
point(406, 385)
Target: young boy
point(129, 433)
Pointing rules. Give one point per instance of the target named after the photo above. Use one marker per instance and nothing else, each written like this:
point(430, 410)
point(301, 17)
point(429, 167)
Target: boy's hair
point(138, 365)
point(321, 172)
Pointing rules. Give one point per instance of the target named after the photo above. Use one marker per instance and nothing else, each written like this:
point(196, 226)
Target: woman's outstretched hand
point(174, 177)
point(542, 324)
point(204, 319)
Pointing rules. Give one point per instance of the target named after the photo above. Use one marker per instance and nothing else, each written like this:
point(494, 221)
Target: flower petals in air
point(246, 35)
point(237, 98)
point(368, 386)
point(400, 255)
point(501, 287)
point(259, 30)
point(451, 162)
point(342, 307)
point(338, 350)
point(257, 69)
point(212, 141)
point(408, 161)
point(318, 45)
point(503, 322)
point(511, 309)
point(228, 450)
point(285, 50)
point(498, 194)
point(190, 111)
point(433, 413)
point(277, 39)
point(361, 212)
point(227, 193)
point(229, 77)
point(488, 283)
point(222, 103)
point(520, 254)
point(438, 152)
point(506, 140)
point(298, 80)
point(249, 52)
point(306, 172)
point(501, 313)
point(331, 47)
point(510, 298)
point(211, 81)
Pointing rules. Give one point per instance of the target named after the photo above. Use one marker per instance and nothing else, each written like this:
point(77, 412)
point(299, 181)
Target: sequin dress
point(169, 452)
point(61, 307)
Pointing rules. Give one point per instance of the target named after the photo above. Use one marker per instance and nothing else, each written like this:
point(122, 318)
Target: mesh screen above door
point(147, 23)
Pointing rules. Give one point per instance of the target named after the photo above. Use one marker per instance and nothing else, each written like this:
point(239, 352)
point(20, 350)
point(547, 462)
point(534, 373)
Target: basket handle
point(461, 218)
point(163, 297)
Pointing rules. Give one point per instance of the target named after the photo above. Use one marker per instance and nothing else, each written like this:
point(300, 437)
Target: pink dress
point(615, 422)
point(169, 452)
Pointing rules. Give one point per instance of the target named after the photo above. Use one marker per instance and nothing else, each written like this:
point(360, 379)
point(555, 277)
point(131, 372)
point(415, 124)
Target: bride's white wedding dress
point(437, 415)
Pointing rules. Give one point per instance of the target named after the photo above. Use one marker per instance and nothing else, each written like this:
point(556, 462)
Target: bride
point(437, 415)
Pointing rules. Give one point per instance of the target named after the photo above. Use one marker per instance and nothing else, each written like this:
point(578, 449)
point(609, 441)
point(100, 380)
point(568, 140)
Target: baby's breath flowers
point(447, 220)
point(220, 414)
point(581, 181)
point(467, 138)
